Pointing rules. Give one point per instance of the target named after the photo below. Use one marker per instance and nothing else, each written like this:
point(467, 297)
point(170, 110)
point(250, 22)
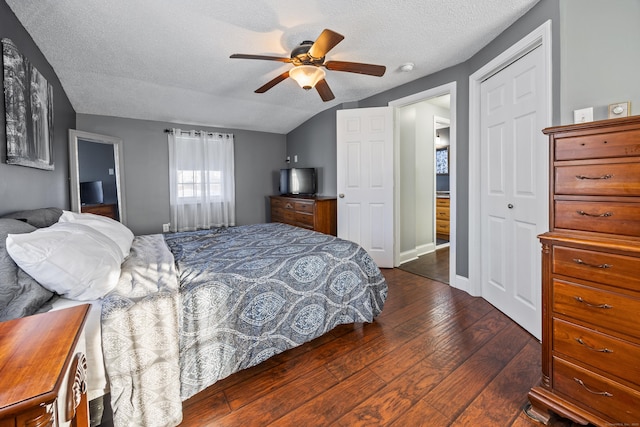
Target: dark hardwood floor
point(436, 356)
point(434, 265)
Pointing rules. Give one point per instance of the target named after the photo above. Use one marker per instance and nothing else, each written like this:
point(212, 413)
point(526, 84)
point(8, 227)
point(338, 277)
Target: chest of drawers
point(591, 276)
point(313, 213)
point(442, 217)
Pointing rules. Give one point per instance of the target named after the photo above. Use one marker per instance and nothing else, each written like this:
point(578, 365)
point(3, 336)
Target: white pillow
point(113, 229)
point(70, 259)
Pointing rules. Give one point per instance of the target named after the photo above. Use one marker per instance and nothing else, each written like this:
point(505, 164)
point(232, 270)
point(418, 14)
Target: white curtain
point(201, 180)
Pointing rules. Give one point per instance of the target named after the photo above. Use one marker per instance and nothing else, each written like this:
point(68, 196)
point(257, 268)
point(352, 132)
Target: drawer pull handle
point(600, 350)
point(605, 306)
point(607, 176)
point(600, 393)
point(581, 262)
point(602, 215)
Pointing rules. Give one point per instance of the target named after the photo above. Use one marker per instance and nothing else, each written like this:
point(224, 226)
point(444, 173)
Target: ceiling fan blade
point(273, 82)
point(324, 91)
point(264, 57)
point(356, 67)
point(324, 43)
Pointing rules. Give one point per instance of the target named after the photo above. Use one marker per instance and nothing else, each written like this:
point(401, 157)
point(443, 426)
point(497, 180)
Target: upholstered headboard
point(39, 218)
point(20, 294)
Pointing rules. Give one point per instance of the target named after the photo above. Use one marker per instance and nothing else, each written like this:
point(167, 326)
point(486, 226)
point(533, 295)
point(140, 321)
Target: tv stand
point(311, 212)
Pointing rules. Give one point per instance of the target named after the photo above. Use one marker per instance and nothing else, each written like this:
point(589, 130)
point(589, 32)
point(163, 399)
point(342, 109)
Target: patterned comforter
point(243, 294)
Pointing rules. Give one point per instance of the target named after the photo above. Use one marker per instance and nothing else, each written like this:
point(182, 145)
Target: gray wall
point(314, 142)
point(600, 55)
point(258, 159)
point(541, 12)
point(27, 188)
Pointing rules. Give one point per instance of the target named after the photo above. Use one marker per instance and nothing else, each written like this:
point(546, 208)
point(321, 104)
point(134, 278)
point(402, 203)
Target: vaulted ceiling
point(168, 60)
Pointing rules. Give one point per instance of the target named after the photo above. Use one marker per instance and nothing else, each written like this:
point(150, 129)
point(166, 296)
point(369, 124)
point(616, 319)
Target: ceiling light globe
point(407, 67)
point(307, 76)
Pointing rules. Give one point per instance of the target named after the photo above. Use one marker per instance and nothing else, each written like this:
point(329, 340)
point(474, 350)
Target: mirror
point(96, 168)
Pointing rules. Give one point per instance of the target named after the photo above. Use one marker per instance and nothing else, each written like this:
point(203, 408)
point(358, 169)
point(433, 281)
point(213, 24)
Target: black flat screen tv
point(298, 181)
point(91, 193)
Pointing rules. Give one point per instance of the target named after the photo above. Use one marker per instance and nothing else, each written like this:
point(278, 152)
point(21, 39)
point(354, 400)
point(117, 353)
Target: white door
point(365, 180)
point(513, 182)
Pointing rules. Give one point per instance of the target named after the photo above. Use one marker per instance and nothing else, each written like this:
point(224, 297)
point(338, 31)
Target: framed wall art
point(28, 100)
point(442, 161)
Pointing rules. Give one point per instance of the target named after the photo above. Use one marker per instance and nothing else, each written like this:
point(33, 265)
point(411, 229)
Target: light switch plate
point(583, 115)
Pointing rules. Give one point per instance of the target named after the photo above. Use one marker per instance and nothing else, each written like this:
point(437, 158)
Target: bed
point(188, 309)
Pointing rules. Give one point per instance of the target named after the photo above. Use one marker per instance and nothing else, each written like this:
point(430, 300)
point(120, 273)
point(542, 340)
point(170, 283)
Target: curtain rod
point(199, 132)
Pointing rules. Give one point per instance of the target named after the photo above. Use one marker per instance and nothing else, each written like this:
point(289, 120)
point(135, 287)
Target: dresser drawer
point(304, 207)
point(617, 402)
point(602, 267)
point(609, 354)
point(615, 179)
point(442, 213)
point(277, 212)
point(442, 226)
point(277, 203)
point(304, 219)
point(601, 217)
point(600, 145)
point(604, 309)
point(289, 216)
point(442, 202)
point(38, 416)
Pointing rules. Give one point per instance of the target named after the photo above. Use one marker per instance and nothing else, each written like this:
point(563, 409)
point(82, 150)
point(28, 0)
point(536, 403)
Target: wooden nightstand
point(43, 370)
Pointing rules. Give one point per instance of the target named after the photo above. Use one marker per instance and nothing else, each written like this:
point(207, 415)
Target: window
point(190, 183)
point(201, 180)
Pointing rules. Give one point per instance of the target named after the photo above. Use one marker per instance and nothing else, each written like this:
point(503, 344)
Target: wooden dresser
point(43, 370)
point(315, 213)
point(442, 218)
point(109, 210)
point(591, 276)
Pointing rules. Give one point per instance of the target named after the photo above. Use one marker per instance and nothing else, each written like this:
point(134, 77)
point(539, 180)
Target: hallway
point(434, 265)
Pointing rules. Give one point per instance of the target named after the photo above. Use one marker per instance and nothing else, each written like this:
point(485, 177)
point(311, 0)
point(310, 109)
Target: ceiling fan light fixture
point(307, 76)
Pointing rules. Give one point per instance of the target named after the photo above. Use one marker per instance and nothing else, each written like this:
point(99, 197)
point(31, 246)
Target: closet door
point(513, 189)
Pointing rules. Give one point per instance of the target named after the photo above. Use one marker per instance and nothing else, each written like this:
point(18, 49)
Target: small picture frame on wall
point(442, 161)
point(620, 109)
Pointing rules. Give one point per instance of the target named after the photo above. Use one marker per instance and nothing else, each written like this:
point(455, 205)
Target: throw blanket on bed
point(245, 294)
point(140, 324)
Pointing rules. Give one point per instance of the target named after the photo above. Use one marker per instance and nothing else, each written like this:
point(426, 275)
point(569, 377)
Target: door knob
point(341, 195)
point(510, 206)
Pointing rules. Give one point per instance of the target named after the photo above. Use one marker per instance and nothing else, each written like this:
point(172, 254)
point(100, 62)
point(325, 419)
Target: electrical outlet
point(165, 227)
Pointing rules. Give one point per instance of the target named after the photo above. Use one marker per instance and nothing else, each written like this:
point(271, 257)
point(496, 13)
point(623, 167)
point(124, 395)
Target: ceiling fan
point(308, 60)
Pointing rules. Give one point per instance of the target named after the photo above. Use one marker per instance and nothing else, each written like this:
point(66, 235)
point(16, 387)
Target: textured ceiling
point(168, 60)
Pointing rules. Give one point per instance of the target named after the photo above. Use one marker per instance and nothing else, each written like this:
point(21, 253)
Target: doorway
point(417, 118)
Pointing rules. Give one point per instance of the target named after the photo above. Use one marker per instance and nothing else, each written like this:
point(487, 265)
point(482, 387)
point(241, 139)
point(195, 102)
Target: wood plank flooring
point(434, 265)
point(436, 356)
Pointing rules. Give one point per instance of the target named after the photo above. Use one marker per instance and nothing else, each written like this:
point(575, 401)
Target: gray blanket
point(245, 294)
